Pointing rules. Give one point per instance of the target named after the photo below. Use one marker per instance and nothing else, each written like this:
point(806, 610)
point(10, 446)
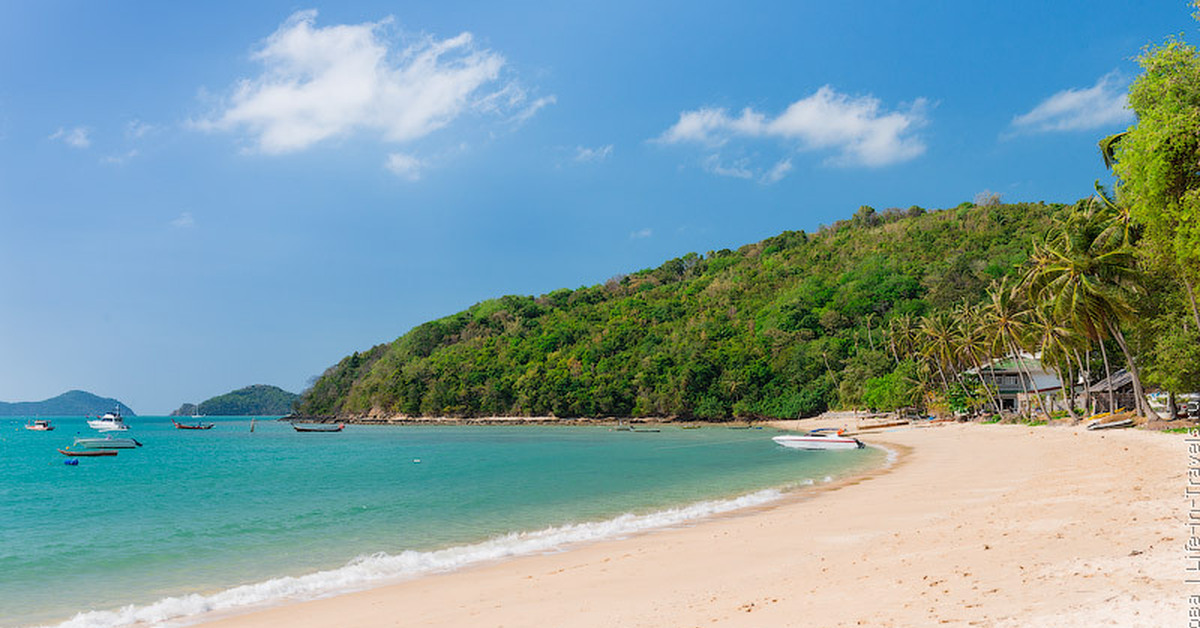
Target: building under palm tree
point(1017, 379)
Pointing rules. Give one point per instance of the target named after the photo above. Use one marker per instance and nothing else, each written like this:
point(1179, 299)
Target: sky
point(201, 196)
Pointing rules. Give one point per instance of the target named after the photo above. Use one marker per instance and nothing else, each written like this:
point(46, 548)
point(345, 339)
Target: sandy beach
point(974, 525)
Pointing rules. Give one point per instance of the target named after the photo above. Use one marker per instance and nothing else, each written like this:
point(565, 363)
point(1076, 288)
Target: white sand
point(974, 526)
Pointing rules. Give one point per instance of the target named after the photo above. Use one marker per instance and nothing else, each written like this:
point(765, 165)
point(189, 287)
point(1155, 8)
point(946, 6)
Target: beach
point(972, 525)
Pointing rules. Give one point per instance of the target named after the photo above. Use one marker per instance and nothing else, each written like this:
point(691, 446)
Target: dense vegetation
point(72, 403)
point(781, 328)
point(257, 400)
point(884, 310)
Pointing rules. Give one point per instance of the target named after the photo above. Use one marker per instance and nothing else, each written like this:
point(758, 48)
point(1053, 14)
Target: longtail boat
point(88, 452)
point(318, 427)
point(193, 426)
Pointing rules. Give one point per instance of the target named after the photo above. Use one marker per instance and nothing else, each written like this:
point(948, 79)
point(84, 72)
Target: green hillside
point(773, 329)
point(71, 403)
point(257, 400)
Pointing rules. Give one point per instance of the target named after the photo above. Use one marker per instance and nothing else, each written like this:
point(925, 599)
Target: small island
point(70, 403)
point(256, 400)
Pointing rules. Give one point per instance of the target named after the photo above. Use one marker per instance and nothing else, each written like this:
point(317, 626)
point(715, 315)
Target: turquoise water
point(202, 520)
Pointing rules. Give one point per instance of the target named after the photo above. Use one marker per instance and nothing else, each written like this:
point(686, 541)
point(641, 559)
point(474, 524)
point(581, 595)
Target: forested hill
point(70, 403)
point(257, 400)
point(778, 328)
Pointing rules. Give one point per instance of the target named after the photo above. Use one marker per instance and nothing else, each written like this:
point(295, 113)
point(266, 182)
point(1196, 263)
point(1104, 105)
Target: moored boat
point(106, 443)
point(39, 425)
point(318, 427)
point(110, 422)
point(88, 452)
point(194, 426)
point(819, 440)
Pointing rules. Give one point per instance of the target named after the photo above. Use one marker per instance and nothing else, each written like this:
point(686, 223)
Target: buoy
point(71, 462)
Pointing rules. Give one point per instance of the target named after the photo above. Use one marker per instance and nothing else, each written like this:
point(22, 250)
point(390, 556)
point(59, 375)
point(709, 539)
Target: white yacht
point(110, 422)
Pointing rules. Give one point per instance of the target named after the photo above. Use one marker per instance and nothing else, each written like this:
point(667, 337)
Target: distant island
point(71, 403)
point(257, 400)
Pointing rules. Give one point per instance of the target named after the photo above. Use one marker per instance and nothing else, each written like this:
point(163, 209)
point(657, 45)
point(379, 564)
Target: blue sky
point(196, 197)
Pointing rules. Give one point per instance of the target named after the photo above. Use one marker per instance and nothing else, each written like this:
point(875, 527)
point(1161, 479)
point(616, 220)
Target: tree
point(1089, 281)
point(1156, 161)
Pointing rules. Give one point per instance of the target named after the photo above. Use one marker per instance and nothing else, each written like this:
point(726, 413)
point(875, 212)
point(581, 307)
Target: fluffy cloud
point(405, 166)
point(1101, 105)
point(859, 131)
point(739, 169)
point(324, 82)
point(77, 137)
point(584, 154)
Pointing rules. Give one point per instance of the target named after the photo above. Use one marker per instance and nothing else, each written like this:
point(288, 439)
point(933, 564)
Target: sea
point(252, 513)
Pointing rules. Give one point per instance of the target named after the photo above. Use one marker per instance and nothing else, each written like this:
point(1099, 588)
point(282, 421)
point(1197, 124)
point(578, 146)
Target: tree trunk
point(992, 399)
point(1112, 394)
point(1187, 283)
point(1016, 353)
point(1143, 406)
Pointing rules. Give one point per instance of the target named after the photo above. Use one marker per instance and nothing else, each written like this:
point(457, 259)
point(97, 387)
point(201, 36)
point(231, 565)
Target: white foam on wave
point(892, 455)
point(364, 571)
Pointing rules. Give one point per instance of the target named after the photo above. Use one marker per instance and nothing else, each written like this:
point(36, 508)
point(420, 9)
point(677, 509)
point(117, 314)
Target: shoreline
point(985, 525)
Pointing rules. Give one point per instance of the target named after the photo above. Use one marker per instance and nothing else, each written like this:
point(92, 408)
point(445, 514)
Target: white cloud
point(1102, 105)
point(325, 82)
point(859, 130)
point(641, 234)
point(77, 137)
point(584, 154)
point(405, 166)
point(136, 129)
point(778, 171)
point(119, 160)
point(184, 221)
point(738, 169)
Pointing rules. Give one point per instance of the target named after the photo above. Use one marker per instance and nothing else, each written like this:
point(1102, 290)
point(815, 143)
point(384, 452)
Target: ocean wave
point(364, 571)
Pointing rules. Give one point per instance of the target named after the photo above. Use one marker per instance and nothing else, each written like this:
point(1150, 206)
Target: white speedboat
point(110, 422)
point(106, 443)
point(822, 439)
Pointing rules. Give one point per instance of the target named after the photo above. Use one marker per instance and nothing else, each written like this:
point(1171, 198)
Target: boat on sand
point(819, 440)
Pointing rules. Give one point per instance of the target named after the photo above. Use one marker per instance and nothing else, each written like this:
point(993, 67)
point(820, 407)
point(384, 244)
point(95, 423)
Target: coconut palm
point(973, 345)
point(1089, 280)
point(1006, 324)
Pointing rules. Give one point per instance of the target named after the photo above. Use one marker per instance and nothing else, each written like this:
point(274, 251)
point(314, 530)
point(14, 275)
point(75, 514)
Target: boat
point(193, 426)
point(318, 427)
point(822, 439)
point(39, 425)
point(106, 443)
point(1101, 425)
point(88, 452)
point(110, 422)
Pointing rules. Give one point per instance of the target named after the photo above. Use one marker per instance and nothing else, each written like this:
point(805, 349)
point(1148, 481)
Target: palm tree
point(902, 332)
point(973, 343)
point(1006, 323)
point(1088, 278)
point(938, 330)
point(1055, 343)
